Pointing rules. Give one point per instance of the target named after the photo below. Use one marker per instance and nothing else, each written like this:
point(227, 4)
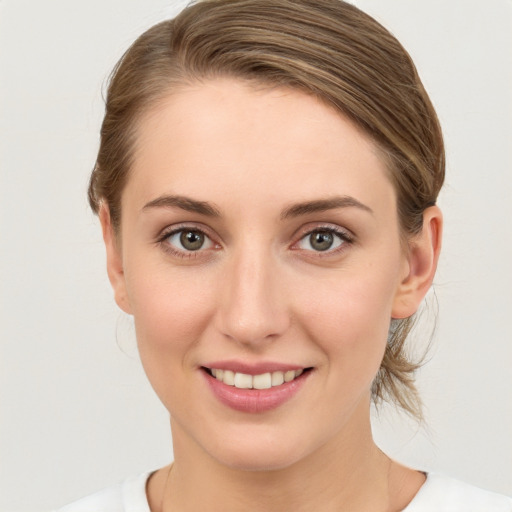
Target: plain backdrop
point(76, 411)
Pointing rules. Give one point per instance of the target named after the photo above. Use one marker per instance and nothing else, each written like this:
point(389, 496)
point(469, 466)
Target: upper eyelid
point(345, 239)
point(298, 235)
point(343, 232)
point(169, 231)
point(176, 228)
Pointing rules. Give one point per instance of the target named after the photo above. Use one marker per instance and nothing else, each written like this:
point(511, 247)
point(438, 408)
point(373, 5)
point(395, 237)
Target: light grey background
point(76, 411)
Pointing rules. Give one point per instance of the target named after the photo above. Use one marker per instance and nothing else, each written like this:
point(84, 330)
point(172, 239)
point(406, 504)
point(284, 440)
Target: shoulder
point(445, 494)
point(128, 496)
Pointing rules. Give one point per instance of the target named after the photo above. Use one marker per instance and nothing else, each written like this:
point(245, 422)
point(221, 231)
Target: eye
point(322, 240)
point(188, 240)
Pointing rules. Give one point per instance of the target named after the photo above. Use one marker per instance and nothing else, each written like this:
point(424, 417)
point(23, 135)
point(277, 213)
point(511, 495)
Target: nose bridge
point(253, 307)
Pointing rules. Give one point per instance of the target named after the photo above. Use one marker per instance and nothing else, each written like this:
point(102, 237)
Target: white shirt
point(438, 494)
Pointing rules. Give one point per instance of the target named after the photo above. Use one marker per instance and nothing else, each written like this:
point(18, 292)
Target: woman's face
point(259, 236)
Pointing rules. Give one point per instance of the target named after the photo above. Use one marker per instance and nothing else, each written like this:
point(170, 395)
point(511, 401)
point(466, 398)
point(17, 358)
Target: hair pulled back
point(327, 48)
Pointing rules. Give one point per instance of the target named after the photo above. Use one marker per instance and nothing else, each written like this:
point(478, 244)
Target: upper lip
point(253, 368)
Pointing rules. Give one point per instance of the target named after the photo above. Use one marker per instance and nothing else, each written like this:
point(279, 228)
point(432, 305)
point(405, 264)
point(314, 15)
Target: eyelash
point(184, 254)
point(345, 237)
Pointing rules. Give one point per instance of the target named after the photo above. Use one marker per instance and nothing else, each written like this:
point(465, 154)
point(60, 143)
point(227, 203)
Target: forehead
point(224, 135)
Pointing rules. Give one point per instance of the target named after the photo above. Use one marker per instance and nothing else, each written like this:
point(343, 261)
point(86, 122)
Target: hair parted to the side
point(327, 48)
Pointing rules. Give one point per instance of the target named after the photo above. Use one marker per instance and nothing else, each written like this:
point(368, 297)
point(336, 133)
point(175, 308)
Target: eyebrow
point(185, 203)
point(296, 210)
point(323, 205)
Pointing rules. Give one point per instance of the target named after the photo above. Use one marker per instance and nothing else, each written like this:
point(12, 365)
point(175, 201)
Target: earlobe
point(114, 260)
point(424, 250)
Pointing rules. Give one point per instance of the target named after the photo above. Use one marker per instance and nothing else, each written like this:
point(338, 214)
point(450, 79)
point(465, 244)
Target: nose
point(254, 308)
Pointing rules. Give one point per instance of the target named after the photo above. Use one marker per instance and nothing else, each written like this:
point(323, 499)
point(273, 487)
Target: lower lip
point(255, 400)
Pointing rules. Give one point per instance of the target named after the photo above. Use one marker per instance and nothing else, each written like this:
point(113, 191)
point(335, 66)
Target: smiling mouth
point(262, 381)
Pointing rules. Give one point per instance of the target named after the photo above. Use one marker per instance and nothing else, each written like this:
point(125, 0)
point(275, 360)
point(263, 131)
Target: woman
point(266, 185)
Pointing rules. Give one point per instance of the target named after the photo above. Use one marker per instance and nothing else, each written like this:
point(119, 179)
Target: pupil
point(192, 240)
point(321, 241)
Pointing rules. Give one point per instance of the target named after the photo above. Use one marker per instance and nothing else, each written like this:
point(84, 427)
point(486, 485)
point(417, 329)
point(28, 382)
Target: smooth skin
point(217, 258)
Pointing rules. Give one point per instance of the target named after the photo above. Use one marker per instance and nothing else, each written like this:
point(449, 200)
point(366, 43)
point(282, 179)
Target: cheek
point(170, 309)
point(171, 312)
point(349, 319)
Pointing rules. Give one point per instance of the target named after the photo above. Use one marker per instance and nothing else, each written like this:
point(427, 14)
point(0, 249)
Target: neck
point(347, 473)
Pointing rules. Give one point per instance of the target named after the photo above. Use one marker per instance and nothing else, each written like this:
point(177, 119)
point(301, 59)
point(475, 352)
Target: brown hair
point(327, 48)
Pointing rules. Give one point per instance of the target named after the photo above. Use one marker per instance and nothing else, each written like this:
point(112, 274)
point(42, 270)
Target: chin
point(258, 460)
point(259, 452)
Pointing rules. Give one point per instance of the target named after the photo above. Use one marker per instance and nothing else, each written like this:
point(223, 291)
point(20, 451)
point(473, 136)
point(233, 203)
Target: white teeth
point(243, 381)
point(277, 378)
point(228, 377)
point(289, 375)
point(261, 381)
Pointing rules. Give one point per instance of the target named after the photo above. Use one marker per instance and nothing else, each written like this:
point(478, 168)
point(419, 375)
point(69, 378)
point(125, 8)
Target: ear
point(421, 265)
point(114, 260)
